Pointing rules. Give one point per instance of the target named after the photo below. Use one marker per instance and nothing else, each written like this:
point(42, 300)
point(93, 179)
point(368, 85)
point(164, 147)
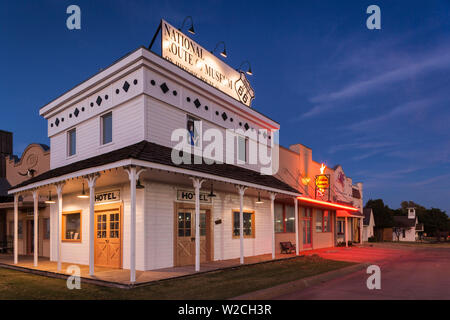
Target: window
point(319, 218)
point(242, 148)
point(279, 218)
point(46, 228)
point(340, 227)
point(289, 219)
point(71, 226)
point(106, 126)
point(249, 224)
point(72, 142)
point(194, 131)
point(323, 221)
point(284, 218)
point(19, 227)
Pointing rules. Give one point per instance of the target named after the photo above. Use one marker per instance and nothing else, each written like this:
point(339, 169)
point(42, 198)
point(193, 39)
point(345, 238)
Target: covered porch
point(121, 277)
point(135, 167)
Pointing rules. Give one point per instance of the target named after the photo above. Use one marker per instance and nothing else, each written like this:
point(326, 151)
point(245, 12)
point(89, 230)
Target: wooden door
point(108, 238)
point(185, 243)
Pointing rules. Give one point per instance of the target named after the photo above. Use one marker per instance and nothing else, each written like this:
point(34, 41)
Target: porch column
point(133, 175)
point(197, 185)
point(36, 222)
point(59, 188)
point(361, 231)
point(91, 179)
point(241, 190)
point(16, 228)
point(272, 217)
point(346, 232)
point(297, 242)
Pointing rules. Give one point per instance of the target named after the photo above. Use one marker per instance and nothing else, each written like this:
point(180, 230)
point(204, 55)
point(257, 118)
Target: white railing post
point(297, 242)
point(59, 189)
point(272, 216)
point(16, 228)
point(36, 225)
point(241, 190)
point(91, 180)
point(197, 185)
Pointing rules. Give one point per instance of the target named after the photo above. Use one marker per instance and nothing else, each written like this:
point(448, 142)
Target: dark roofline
point(154, 153)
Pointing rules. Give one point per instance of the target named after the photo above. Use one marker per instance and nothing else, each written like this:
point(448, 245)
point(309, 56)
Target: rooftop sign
point(179, 49)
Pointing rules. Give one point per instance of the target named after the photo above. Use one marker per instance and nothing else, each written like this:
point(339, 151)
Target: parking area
point(407, 272)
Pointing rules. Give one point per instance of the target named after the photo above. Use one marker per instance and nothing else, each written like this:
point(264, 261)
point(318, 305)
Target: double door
point(185, 237)
point(108, 238)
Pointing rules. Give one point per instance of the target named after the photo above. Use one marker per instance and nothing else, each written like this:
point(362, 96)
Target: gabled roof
point(367, 212)
point(404, 221)
point(152, 152)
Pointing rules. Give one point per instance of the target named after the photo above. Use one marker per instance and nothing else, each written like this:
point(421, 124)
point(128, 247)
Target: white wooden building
point(122, 202)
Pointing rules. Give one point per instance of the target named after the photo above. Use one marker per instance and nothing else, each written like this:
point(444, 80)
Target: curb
point(286, 288)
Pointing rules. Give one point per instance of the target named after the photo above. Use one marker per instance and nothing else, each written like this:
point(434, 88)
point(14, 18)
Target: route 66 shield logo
point(244, 90)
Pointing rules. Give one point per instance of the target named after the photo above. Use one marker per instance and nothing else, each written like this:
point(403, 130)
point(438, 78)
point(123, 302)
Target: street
point(406, 273)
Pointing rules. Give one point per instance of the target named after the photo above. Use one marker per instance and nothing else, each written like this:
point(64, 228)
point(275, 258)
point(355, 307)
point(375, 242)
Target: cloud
point(434, 61)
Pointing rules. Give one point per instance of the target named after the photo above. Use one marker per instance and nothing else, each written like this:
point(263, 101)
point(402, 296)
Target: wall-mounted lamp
point(249, 70)
point(83, 194)
point(259, 201)
point(139, 185)
point(306, 180)
point(49, 200)
point(224, 51)
point(191, 29)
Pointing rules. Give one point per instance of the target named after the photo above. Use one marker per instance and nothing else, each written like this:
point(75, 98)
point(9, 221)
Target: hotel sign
point(179, 49)
point(189, 196)
point(107, 196)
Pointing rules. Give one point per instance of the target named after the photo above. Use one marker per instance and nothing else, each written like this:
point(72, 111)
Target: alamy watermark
point(254, 147)
point(74, 281)
point(374, 280)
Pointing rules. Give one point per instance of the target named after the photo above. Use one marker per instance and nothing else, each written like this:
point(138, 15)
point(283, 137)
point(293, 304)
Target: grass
point(216, 285)
point(412, 244)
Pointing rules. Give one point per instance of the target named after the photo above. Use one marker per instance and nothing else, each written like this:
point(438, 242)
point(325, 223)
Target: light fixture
point(306, 180)
point(249, 70)
point(211, 194)
point(83, 194)
point(49, 200)
point(224, 51)
point(191, 29)
point(139, 185)
point(259, 201)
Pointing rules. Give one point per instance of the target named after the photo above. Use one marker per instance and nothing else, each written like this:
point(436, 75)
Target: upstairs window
point(194, 131)
point(106, 124)
point(71, 142)
point(242, 148)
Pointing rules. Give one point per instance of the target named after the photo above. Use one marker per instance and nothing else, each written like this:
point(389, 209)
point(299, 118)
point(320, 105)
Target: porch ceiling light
point(49, 200)
point(259, 201)
point(327, 204)
point(211, 194)
point(83, 194)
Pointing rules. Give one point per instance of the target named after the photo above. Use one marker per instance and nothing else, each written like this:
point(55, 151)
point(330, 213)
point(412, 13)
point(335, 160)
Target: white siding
point(128, 128)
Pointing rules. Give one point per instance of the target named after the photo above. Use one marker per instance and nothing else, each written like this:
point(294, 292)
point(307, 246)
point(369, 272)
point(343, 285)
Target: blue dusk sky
point(374, 101)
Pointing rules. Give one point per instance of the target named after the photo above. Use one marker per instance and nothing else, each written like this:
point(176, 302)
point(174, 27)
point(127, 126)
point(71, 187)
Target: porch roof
point(146, 151)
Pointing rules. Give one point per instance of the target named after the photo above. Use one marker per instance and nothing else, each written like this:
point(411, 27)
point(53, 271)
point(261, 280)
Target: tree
point(382, 214)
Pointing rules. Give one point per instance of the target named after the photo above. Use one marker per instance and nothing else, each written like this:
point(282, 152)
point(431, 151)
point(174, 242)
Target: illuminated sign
point(182, 51)
point(322, 183)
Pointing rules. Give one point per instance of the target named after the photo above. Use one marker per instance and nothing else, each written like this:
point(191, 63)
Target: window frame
point(63, 226)
point(284, 219)
point(200, 133)
point(102, 136)
point(325, 213)
point(46, 231)
point(69, 142)
point(252, 212)
point(246, 141)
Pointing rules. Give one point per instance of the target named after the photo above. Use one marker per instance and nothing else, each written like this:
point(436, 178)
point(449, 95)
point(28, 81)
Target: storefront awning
point(348, 214)
point(327, 205)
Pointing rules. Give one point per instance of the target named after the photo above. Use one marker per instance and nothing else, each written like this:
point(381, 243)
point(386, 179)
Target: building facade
point(132, 170)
